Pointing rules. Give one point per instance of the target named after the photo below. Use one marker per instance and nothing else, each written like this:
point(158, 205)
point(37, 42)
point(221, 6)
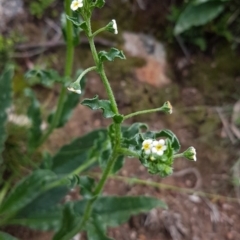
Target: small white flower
point(159, 147)
point(74, 90)
point(76, 4)
point(147, 146)
point(115, 26)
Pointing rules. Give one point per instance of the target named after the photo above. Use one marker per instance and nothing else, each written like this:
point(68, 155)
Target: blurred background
point(186, 52)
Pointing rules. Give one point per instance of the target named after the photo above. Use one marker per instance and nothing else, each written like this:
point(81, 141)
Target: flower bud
point(190, 154)
point(167, 107)
point(75, 87)
point(112, 27)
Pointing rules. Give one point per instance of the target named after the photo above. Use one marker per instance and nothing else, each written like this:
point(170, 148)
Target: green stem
point(128, 152)
point(67, 73)
point(85, 72)
point(98, 31)
point(101, 70)
point(143, 112)
point(178, 155)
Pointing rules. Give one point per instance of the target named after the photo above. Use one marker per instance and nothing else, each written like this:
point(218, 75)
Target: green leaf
point(70, 220)
point(87, 185)
point(117, 210)
point(25, 191)
point(96, 104)
point(197, 15)
point(34, 114)
point(118, 164)
point(45, 77)
point(111, 55)
point(78, 22)
point(79, 151)
point(6, 236)
point(69, 104)
point(99, 3)
point(175, 144)
point(76, 30)
point(5, 102)
point(96, 230)
point(42, 220)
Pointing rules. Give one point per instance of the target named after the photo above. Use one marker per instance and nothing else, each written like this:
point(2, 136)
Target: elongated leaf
point(70, 220)
point(26, 191)
point(197, 15)
point(45, 77)
point(111, 55)
point(117, 210)
point(78, 152)
point(5, 102)
point(96, 104)
point(42, 220)
point(6, 236)
point(34, 113)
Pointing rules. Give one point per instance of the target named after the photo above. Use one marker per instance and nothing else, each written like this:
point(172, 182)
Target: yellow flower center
point(146, 146)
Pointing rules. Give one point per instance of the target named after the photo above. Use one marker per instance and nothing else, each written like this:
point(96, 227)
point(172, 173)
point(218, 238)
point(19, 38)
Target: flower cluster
point(76, 4)
point(154, 147)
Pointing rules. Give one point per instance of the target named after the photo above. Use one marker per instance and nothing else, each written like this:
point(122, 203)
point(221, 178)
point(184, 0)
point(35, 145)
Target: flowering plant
point(43, 209)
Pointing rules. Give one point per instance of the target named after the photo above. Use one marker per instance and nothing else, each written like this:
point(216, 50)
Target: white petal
point(155, 143)
point(164, 148)
point(159, 152)
point(154, 150)
point(162, 141)
point(148, 151)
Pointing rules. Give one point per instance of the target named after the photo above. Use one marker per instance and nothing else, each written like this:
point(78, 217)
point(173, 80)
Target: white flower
point(78, 91)
point(76, 4)
point(147, 146)
point(114, 26)
point(159, 147)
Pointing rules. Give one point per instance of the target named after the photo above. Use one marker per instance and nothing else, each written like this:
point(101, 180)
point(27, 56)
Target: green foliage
point(34, 113)
point(111, 55)
point(5, 102)
point(25, 191)
point(114, 210)
point(99, 3)
point(104, 105)
point(78, 152)
point(77, 22)
point(5, 236)
point(71, 101)
point(45, 77)
point(37, 8)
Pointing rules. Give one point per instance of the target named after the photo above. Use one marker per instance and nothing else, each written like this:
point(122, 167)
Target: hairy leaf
point(117, 210)
point(197, 15)
point(34, 113)
point(5, 102)
point(96, 104)
point(111, 55)
point(26, 191)
point(6, 236)
point(78, 152)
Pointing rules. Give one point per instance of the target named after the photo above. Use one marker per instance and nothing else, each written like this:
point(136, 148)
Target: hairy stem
point(67, 73)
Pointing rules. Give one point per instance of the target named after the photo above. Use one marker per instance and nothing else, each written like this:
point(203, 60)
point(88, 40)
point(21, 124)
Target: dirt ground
point(208, 209)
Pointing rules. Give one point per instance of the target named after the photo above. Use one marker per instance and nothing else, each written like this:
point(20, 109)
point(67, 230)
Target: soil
point(190, 215)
